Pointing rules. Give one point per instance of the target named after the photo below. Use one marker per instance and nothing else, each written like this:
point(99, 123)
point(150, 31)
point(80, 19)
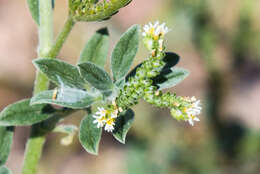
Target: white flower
point(193, 110)
point(191, 119)
point(101, 111)
point(155, 30)
point(100, 117)
point(110, 125)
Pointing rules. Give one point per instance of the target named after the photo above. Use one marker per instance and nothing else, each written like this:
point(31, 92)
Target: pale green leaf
point(96, 49)
point(89, 135)
point(60, 72)
point(5, 170)
point(34, 9)
point(124, 52)
point(23, 114)
point(95, 76)
point(66, 97)
point(6, 139)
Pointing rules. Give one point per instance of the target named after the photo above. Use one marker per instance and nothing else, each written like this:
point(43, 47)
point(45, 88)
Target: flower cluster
point(140, 85)
point(106, 118)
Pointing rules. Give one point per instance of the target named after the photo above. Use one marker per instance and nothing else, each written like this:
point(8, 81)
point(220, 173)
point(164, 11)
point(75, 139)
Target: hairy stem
point(36, 141)
point(61, 38)
point(46, 49)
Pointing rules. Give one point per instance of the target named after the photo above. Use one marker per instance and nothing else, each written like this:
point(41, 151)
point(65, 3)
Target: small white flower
point(110, 125)
point(155, 30)
point(99, 120)
point(101, 111)
point(191, 119)
point(100, 117)
point(193, 111)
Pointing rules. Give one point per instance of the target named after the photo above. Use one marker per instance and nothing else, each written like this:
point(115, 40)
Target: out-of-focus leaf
point(66, 97)
point(123, 124)
point(89, 135)
point(95, 76)
point(23, 114)
point(5, 170)
point(34, 9)
point(172, 78)
point(60, 72)
point(70, 130)
point(124, 52)
point(96, 49)
point(6, 139)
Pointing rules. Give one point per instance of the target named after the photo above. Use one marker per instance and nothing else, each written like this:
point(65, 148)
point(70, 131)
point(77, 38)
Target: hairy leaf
point(124, 52)
point(96, 76)
point(66, 97)
point(4, 170)
point(23, 114)
point(89, 135)
point(123, 124)
point(6, 139)
point(60, 72)
point(96, 49)
point(34, 9)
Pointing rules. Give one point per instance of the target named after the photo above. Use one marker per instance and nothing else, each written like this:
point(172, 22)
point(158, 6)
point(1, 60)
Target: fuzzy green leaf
point(34, 9)
point(4, 170)
point(124, 52)
point(89, 135)
point(6, 139)
point(66, 97)
point(96, 49)
point(171, 78)
point(123, 124)
point(23, 114)
point(60, 72)
point(95, 76)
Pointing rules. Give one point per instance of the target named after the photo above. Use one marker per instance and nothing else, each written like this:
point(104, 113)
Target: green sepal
point(96, 49)
point(6, 139)
point(5, 170)
point(60, 72)
point(34, 9)
point(123, 124)
point(124, 52)
point(22, 113)
point(65, 97)
point(89, 135)
point(95, 76)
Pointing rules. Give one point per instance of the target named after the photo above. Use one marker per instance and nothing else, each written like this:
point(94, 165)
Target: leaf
point(6, 139)
point(70, 130)
point(60, 72)
point(23, 114)
point(34, 9)
point(4, 170)
point(172, 78)
point(53, 4)
point(124, 52)
point(96, 76)
point(170, 59)
point(66, 97)
point(96, 49)
point(123, 124)
point(89, 135)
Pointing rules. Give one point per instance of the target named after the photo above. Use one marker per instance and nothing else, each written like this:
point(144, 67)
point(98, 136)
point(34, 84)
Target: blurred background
point(218, 42)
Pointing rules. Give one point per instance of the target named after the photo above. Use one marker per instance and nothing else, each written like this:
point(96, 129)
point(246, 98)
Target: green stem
point(36, 141)
point(37, 138)
point(61, 38)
